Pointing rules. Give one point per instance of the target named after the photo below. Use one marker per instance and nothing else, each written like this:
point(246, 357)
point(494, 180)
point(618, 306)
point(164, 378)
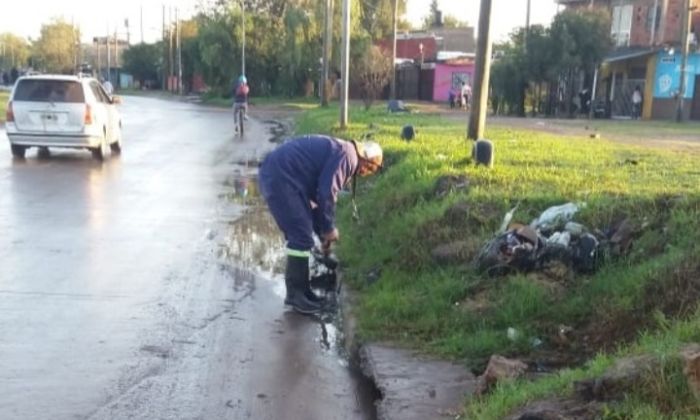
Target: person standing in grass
point(300, 181)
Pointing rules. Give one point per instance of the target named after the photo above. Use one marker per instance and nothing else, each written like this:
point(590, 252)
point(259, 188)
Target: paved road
point(145, 287)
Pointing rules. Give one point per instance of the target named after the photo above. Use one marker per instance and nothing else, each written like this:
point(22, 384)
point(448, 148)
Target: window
point(622, 25)
point(651, 15)
point(100, 95)
point(37, 90)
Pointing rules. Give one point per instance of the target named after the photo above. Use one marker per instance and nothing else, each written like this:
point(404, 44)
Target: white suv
point(62, 111)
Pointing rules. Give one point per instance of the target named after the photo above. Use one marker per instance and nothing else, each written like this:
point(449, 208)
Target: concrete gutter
point(410, 386)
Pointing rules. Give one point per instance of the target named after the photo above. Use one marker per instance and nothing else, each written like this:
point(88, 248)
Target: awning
point(629, 53)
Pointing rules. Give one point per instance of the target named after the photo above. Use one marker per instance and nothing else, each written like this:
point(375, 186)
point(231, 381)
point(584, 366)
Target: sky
point(95, 16)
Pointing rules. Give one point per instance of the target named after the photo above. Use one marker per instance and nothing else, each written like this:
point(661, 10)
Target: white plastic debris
point(575, 229)
point(556, 216)
point(560, 238)
point(512, 334)
point(507, 219)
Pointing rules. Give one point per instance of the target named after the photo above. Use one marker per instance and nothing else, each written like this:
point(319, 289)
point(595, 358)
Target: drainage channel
point(256, 245)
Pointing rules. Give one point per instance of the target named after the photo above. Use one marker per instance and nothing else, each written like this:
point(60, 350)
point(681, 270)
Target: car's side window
point(96, 91)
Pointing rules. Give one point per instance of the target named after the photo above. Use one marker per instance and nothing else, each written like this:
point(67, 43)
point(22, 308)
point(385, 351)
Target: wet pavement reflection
point(149, 286)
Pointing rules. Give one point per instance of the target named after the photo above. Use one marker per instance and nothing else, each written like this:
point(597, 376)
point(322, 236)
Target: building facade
point(647, 37)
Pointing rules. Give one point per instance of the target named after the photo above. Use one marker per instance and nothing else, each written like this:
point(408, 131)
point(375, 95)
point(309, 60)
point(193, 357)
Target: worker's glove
point(328, 239)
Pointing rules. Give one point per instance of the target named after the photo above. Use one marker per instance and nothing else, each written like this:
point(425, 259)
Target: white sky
point(505, 14)
point(24, 17)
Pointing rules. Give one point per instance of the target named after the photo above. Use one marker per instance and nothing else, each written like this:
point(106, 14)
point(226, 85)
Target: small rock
point(617, 380)
point(691, 366)
point(450, 183)
point(499, 369)
point(451, 253)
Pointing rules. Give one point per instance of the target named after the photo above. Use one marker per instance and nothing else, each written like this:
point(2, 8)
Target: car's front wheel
point(18, 151)
point(116, 146)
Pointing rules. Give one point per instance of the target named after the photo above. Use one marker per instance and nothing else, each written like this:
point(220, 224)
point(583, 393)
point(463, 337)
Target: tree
point(370, 73)
point(57, 48)
point(433, 18)
point(582, 41)
point(450, 21)
point(377, 17)
point(143, 62)
point(14, 51)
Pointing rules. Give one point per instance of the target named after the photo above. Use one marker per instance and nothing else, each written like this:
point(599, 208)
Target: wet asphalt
point(149, 286)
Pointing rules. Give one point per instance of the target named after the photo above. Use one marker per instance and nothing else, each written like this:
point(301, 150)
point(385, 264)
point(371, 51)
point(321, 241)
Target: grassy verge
point(267, 101)
point(451, 310)
point(4, 97)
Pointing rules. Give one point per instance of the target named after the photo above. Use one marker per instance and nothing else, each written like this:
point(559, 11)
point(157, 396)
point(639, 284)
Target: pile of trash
point(553, 236)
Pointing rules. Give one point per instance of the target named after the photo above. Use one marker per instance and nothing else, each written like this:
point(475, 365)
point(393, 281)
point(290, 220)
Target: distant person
point(14, 75)
point(240, 99)
point(466, 94)
point(107, 85)
point(5, 78)
point(637, 99)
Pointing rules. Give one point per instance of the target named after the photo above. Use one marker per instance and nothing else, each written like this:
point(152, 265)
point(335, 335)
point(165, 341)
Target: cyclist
point(240, 94)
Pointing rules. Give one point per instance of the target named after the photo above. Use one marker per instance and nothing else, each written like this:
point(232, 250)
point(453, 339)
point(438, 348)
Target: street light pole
point(345, 66)
point(684, 62)
point(327, 35)
point(477, 118)
point(393, 53)
point(243, 50)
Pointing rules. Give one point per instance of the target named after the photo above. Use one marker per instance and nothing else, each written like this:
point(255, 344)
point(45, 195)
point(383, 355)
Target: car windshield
point(49, 91)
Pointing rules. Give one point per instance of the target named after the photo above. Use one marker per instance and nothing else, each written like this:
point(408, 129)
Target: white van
point(62, 111)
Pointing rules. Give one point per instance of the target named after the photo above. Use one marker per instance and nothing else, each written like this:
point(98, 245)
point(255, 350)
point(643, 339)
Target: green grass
point(4, 97)
point(291, 103)
point(419, 303)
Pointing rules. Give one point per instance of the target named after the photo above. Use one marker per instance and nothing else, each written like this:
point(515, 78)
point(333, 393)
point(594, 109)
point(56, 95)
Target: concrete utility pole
point(109, 57)
point(165, 69)
point(527, 22)
point(685, 39)
point(393, 53)
point(142, 23)
point(327, 41)
point(179, 52)
point(480, 91)
point(345, 65)
point(243, 25)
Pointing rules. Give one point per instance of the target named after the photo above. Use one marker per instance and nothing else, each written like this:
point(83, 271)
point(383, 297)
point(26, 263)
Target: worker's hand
point(328, 240)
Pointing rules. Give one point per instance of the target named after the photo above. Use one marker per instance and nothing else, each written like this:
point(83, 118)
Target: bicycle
point(239, 117)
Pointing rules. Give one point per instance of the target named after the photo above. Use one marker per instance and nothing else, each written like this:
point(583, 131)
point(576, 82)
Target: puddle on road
point(254, 250)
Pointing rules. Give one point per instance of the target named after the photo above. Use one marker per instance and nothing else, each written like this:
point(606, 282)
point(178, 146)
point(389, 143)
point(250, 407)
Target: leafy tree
point(370, 73)
point(377, 17)
point(14, 51)
point(56, 49)
point(143, 62)
point(450, 21)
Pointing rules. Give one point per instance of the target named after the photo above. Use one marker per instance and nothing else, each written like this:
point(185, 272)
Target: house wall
point(449, 75)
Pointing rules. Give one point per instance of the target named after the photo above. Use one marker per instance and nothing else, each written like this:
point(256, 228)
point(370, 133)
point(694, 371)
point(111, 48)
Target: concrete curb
point(411, 386)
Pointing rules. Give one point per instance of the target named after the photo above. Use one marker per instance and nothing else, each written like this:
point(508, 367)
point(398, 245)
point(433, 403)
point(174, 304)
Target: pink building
point(451, 74)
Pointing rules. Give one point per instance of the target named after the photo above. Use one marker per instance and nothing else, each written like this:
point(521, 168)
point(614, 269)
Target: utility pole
point(171, 60)
point(116, 57)
point(527, 23)
point(179, 52)
point(109, 57)
point(164, 52)
point(345, 65)
point(327, 35)
point(393, 53)
point(142, 23)
point(685, 39)
point(477, 118)
point(243, 25)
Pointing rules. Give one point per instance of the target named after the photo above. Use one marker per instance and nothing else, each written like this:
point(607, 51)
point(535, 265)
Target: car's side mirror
point(116, 100)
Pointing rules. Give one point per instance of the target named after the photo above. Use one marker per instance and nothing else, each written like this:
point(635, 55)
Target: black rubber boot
point(298, 291)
